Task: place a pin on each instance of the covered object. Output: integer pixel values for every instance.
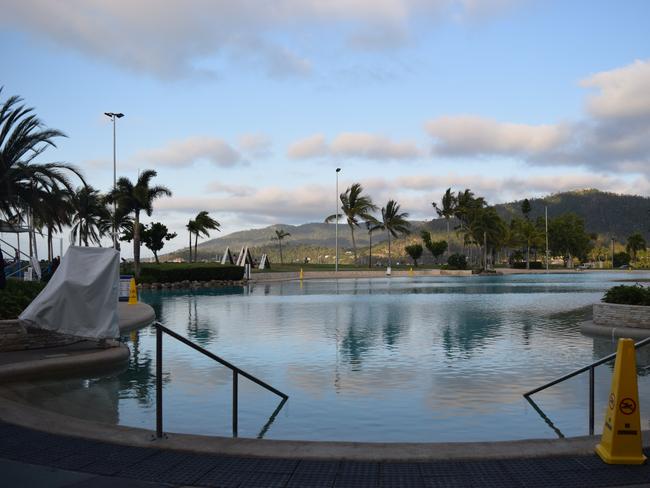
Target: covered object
(81, 297)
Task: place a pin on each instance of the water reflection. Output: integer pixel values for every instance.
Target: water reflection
(413, 359)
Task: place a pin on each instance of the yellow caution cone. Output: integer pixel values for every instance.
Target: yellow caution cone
(133, 292)
(621, 440)
(301, 274)
(410, 271)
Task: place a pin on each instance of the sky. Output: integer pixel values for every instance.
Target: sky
(245, 109)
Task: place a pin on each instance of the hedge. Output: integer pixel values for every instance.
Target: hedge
(533, 265)
(15, 297)
(628, 295)
(169, 274)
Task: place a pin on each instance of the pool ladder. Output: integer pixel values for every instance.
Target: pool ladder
(236, 372)
(591, 367)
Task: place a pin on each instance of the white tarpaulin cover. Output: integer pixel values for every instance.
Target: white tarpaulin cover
(81, 297)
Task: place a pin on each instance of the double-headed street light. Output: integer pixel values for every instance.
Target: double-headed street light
(113, 116)
(336, 266)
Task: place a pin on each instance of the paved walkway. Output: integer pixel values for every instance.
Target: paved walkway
(37, 459)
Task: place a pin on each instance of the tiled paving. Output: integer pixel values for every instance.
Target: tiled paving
(36, 459)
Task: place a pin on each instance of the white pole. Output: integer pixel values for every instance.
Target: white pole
(114, 187)
(336, 265)
(546, 214)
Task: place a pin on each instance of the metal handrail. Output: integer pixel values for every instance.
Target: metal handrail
(590, 367)
(160, 329)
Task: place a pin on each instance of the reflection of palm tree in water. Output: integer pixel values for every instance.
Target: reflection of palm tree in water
(467, 329)
(203, 334)
(139, 380)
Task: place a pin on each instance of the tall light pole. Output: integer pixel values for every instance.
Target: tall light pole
(546, 215)
(113, 116)
(336, 265)
(613, 241)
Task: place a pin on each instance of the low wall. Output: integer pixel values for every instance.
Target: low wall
(14, 337)
(615, 315)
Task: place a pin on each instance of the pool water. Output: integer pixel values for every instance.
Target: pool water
(391, 359)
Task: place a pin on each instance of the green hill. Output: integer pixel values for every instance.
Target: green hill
(605, 214)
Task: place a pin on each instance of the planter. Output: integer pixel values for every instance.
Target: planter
(615, 315)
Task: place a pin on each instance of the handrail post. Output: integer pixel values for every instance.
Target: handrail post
(159, 389)
(591, 400)
(235, 386)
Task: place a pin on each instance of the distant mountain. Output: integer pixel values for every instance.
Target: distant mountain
(604, 213)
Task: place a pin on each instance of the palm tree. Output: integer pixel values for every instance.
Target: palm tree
(192, 228)
(137, 198)
(394, 222)
(203, 224)
(527, 233)
(635, 243)
(22, 140)
(487, 230)
(53, 214)
(88, 213)
(355, 207)
(279, 235)
(372, 225)
(447, 209)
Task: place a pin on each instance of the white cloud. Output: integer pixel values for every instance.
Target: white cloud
(171, 39)
(255, 145)
(472, 135)
(613, 135)
(622, 92)
(309, 147)
(360, 145)
(186, 152)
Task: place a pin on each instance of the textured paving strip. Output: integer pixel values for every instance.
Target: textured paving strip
(36, 459)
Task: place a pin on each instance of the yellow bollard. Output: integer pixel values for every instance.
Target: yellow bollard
(621, 440)
(411, 271)
(301, 274)
(133, 292)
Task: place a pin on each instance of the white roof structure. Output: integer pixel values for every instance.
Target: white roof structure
(81, 297)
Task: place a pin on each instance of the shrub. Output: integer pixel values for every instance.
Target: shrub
(457, 261)
(16, 296)
(167, 273)
(628, 295)
(621, 258)
(533, 265)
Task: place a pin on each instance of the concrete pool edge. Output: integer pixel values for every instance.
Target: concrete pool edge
(28, 416)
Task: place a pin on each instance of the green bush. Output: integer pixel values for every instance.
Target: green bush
(16, 296)
(173, 273)
(457, 261)
(628, 295)
(621, 259)
(533, 265)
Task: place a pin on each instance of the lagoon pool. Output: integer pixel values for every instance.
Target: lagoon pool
(389, 359)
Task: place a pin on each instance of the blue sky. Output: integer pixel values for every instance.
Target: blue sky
(245, 110)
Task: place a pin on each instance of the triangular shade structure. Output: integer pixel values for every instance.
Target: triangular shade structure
(81, 297)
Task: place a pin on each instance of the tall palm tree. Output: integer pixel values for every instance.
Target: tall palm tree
(88, 213)
(394, 222)
(22, 140)
(356, 207)
(192, 228)
(279, 235)
(53, 213)
(447, 208)
(136, 198)
(487, 230)
(635, 243)
(203, 224)
(372, 225)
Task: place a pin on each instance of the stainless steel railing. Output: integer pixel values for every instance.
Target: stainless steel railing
(236, 372)
(591, 367)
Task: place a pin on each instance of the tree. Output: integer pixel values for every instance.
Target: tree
(447, 209)
(436, 248)
(567, 237)
(192, 228)
(154, 236)
(525, 208)
(136, 198)
(23, 183)
(356, 207)
(487, 230)
(635, 243)
(203, 224)
(372, 225)
(88, 213)
(415, 251)
(621, 259)
(457, 261)
(527, 233)
(279, 235)
(393, 222)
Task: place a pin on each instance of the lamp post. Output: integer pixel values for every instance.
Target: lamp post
(336, 263)
(113, 116)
